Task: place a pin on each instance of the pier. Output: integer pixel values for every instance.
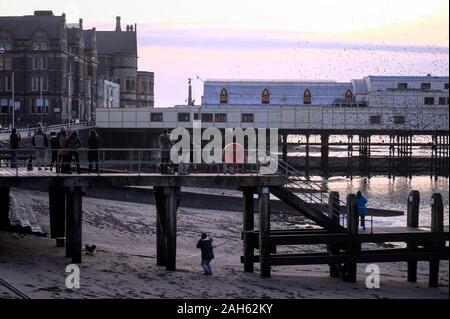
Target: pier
(337, 229)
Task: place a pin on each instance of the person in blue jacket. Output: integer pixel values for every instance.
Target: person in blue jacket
(362, 209)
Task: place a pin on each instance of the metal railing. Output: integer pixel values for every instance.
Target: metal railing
(28, 132)
(311, 192)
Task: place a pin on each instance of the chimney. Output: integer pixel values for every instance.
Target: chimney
(80, 22)
(135, 27)
(131, 28)
(128, 28)
(118, 27)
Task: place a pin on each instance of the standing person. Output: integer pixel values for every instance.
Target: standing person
(93, 145)
(165, 144)
(74, 143)
(206, 244)
(362, 209)
(63, 152)
(54, 145)
(14, 140)
(40, 143)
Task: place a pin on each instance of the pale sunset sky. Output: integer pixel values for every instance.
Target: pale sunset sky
(259, 39)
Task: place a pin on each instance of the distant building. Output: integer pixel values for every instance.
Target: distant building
(108, 94)
(390, 91)
(63, 63)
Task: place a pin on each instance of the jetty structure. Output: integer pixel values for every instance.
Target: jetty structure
(393, 125)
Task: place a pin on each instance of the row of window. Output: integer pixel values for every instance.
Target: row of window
(429, 100)
(423, 86)
(376, 119)
(38, 45)
(205, 117)
(265, 96)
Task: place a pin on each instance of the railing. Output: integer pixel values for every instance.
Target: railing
(28, 132)
(311, 192)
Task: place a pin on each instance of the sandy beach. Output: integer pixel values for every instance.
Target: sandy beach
(125, 264)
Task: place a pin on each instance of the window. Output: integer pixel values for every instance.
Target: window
(5, 64)
(5, 83)
(220, 117)
(7, 46)
(128, 85)
(223, 96)
(184, 117)
(425, 86)
(307, 97)
(362, 104)
(36, 82)
(144, 86)
(207, 117)
(39, 63)
(428, 100)
(399, 119)
(348, 94)
(156, 117)
(265, 99)
(402, 86)
(247, 118)
(375, 119)
(40, 45)
(442, 101)
(445, 86)
(40, 106)
(196, 116)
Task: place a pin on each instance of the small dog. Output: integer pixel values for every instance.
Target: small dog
(90, 250)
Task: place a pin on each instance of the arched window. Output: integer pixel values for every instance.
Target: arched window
(223, 96)
(307, 97)
(265, 97)
(349, 94)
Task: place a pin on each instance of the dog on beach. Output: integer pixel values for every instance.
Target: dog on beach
(90, 249)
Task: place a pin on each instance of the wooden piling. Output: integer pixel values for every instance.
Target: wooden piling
(248, 227)
(160, 204)
(4, 207)
(285, 147)
(437, 225)
(324, 150)
(307, 156)
(352, 228)
(413, 221)
(264, 232)
(57, 205)
(171, 227)
(69, 223)
(77, 217)
(334, 211)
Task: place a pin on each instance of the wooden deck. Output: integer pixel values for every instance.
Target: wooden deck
(13, 177)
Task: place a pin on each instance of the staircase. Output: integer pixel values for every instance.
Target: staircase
(309, 198)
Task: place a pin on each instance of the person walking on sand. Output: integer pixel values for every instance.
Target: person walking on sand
(165, 144)
(40, 143)
(207, 245)
(14, 140)
(362, 209)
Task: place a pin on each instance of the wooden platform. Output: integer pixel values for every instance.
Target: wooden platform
(11, 177)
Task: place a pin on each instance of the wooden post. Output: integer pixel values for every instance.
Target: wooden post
(324, 150)
(69, 222)
(160, 204)
(307, 156)
(248, 226)
(285, 147)
(437, 225)
(171, 228)
(77, 217)
(413, 221)
(4, 207)
(57, 205)
(264, 232)
(352, 228)
(334, 211)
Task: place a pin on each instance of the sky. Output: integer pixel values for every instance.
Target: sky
(262, 39)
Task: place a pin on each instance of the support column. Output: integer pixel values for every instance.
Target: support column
(324, 150)
(160, 204)
(352, 228)
(4, 207)
(307, 156)
(285, 147)
(264, 232)
(350, 157)
(413, 221)
(248, 227)
(437, 225)
(171, 228)
(74, 223)
(334, 214)
(57, 205)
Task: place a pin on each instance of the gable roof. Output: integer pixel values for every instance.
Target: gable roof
(24, 27)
